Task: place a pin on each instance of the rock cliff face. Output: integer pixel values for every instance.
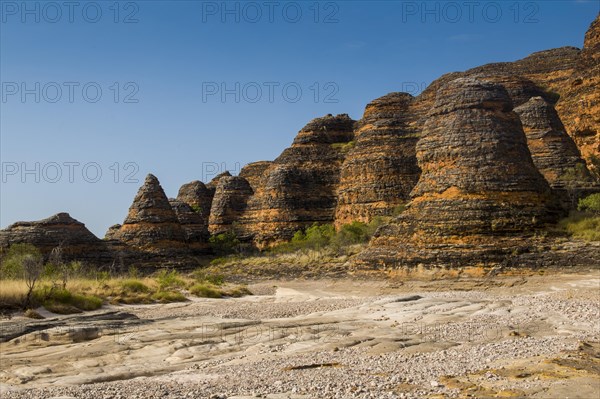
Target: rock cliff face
(229, 203)
(380, 168)
(255, 172)
(151, 224)
(478, 188)
(158, 231)
(579, 105)
(198, 197)
(566, 76)
(212, 185)
(77, 241)
(300, 187)
(553, 151)
(482, 155)
(194, 227)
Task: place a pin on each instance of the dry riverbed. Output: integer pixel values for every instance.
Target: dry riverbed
(517, 336)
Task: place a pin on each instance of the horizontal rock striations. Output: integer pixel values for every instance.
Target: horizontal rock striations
(198, 197)
(158, 231)
(554, 153)
(479, 188)
(579, 104)
(229, 202)
(194, 227)
(77, 242)
(299, 188)
(255, 172)
(567, 77)
(380, 168)
(151, 224)
(482, 156)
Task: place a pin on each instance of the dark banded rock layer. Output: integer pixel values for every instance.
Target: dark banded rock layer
(479, 188)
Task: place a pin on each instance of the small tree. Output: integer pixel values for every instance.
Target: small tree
(590, 203)
(352, 233)
(572, 178)
(225, 243)
(11, 266)
(32, 271)
(57, 266)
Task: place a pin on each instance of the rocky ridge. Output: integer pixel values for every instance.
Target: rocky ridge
(380, 168)
(484, 157)
(299, 188)
(77, 242)
(478, 189)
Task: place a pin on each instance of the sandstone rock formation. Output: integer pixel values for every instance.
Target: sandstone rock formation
(566, 76)
(151, 224)
(554, 153)
(194, 227)
(579, 105)
(479, 187)
(77, 242)
(212, 185)
(198, 197)
(229, 202)
(299, 188)
(380, 168)
(490, 148)
(255, 172)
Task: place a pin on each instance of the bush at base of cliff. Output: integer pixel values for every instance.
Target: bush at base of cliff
(591, 203)
(324, 236)
(224, 243)
(168, 279)
(583, 225)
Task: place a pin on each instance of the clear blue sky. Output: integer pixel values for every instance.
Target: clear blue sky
(163, 115)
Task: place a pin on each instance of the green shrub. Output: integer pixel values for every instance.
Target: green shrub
(344, 148)
(375, 223)
(321, 236)
(86, 302)
(169, 279)
(220, 261)
(102, 277)
(59, 273)
(169, 296)
(590, 203)
(60, 308)
(206, 291)
(62, 301)
(224, 243)
(59, 295)
(132, 285)
(585, 226)
(352, 233)
(11, 265)
(398, 209)
(315, 237)
(238, 292)
(205, 277)
(196, 208)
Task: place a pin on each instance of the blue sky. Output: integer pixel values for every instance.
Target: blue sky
(184, 89)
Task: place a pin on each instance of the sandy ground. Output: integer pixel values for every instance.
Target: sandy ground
(534, 336)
